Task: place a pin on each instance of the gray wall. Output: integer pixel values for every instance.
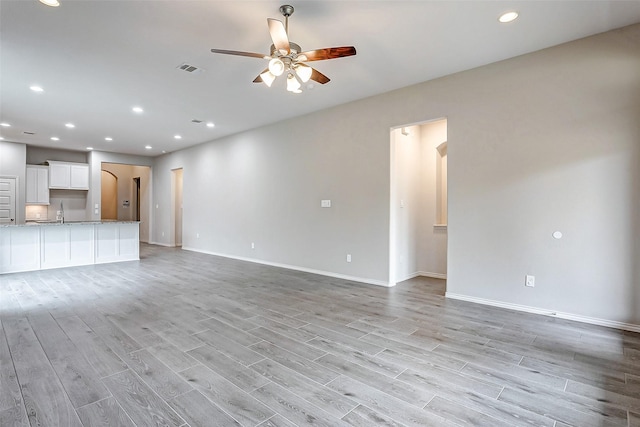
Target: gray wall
(74, 201)
(96, 159)
(39, 155)
(543, 142)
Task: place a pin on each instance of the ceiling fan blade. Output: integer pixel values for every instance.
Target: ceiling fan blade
(259, 78)
(279, 36)
(328, 53)
(235, 52)
(317, 76)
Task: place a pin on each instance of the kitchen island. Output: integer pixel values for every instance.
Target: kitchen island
(45, 245)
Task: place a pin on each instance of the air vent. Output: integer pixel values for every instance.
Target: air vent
(190, 68)
(29, 133)
(196, 121)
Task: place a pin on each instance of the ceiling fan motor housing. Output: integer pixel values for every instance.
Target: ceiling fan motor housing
(295, 49)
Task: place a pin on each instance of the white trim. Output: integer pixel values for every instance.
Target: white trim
(294, 267)
(432, 275)
(410, 276)
(568, 316)
(167, 245)
(423, 274)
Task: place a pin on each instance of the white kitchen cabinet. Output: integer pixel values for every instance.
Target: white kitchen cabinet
(68, 176)
(40, 246)
(37, 185)
(80, 177)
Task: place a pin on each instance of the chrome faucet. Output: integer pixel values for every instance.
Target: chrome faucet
(61, 218)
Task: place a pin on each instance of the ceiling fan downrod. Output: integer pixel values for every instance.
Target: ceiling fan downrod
(286, 10)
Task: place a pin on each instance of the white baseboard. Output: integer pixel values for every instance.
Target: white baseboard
(432, 275)
(167, 245)
(528, 309)
(294, 267)
(423, 274)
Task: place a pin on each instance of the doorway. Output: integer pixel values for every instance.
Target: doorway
(177, 183)
(7, 200)
(136, 197)
(418, 201)
(109, 195)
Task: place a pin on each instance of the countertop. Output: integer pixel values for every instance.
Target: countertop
(55, 223)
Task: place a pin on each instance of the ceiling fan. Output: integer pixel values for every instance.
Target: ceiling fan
(287, 57)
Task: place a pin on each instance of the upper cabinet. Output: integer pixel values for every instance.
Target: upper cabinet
(37, 185)
(68, 176)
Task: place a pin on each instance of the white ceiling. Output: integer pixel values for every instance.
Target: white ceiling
(97, 59)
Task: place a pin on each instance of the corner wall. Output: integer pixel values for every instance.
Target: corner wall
(542, 142)
(94, 196)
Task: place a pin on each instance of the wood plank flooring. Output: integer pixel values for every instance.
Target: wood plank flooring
(187, 339)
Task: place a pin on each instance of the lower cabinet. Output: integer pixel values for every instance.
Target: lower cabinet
(66, 246)
(41, 247)
(116, 243)
(19, 249)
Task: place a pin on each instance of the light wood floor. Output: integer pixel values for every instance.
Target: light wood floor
(182, 338)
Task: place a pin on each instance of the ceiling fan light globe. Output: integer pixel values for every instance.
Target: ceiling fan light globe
(292, 83)
(52, 3)
(276, 67)
(304, 72)
(268, 78)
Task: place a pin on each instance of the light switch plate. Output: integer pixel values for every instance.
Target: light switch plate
(325, 203)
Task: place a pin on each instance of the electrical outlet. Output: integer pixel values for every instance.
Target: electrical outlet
(348, 257)
(253, 245)
(530, 281)
(197, 235)
(163, 234)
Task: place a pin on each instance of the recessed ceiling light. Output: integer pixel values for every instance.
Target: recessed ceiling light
(148, 147)
(70, 125)
(137, 110)
(5, 125)
(177, 136)
(36, 88)
(52, 3)
(508, 17)
(164, 151)
(108, 138)
(210, 124)
(2, 139)
(89, 148)
(55, 138)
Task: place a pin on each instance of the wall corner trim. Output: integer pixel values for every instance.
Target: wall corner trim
(166, 245)
(545, 312)
(294, 267)
(432, 275)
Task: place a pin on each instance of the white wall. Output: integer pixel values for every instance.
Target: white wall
(432, 242)
(13, 164)
(542, 142)
(418, 247)
(406, 203)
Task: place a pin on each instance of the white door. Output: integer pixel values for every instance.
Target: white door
(7, 200)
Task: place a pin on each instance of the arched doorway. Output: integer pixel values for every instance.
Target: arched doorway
(109, 197)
